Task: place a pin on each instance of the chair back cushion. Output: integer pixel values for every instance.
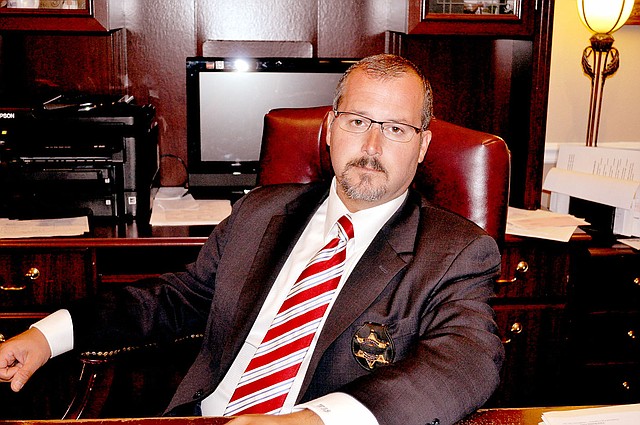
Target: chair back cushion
(465, 171)
(293, 146)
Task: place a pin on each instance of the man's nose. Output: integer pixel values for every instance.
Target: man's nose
(372, 143)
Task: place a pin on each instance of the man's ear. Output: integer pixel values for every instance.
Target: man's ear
(328, 122)
(425, 140)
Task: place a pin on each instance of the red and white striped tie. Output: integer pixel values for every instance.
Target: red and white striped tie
(265, 383)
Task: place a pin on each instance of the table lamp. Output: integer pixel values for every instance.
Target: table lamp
(602, 17)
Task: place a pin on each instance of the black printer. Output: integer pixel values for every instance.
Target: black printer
(77, 155)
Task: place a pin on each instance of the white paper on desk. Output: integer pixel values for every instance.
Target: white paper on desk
(632, 242)
(13, 229)
(542, 224)
(628, 414)
(185, 202)
(167, 193)
(207, 212)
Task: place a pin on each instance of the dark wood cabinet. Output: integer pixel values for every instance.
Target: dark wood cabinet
(568, 314)
(34, 281)
(531, 299)
(86, 16)
(605, 330)
(569, 317)
(39, 275)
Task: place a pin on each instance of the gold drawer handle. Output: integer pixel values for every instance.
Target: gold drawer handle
(637, 281)
(631, 334)
(2, 339)
(626, 385)
(521, 268)
(32, 274)
(516, 328)
(13, 288)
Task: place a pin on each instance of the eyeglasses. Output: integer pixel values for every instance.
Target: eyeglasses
(394, 131)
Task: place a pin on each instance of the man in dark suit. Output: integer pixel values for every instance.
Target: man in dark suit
(408, 336)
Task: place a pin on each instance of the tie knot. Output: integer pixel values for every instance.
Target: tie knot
(345, 227)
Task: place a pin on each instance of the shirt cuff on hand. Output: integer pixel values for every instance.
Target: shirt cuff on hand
(338, 409)
(57, 328)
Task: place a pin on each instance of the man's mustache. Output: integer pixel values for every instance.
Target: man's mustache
(367, 162)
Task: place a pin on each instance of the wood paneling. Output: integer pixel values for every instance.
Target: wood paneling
(493, 84)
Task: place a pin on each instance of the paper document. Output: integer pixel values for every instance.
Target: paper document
(632, 242)
(170, 193)
(542, 224)
(606, 190)
(184, 210)
(608, 176)
(604, 176)
(73, 226)
(628, 414)
(623, 164)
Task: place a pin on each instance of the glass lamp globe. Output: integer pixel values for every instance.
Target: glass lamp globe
(604, 16)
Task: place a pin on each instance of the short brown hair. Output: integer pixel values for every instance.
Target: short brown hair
(389, 66)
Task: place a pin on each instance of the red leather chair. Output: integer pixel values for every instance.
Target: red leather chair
(465, 171)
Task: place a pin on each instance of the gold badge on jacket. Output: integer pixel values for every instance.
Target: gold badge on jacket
(372, 346)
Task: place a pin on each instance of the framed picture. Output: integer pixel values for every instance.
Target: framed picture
(471, 17)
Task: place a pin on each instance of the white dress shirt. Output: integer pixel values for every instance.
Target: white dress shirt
(334, 408)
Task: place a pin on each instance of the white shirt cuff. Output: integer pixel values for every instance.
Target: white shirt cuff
(339, 409)
(57, 328)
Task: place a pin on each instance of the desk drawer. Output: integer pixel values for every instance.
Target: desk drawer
(534, 347)
(609, 337)
(609, 282)
(606, 384)
(128, 264)
(534, 269)
(43, 279)
(12, 324)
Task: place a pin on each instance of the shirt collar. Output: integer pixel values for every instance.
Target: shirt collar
(366, 222)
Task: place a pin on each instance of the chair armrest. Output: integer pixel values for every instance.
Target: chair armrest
(94, 394)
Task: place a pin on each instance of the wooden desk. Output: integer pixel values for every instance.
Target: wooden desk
(534, 307)
(532, 295)
(37, 275)
(509, 416)
(515, 416)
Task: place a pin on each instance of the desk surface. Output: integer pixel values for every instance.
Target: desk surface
(515, 416)
(120, 234)
(524, 416)
(108, 233)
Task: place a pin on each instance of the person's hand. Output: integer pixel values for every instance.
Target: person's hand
(303, 417)
(21, 356)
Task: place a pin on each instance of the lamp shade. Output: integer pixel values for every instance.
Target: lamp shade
(604, 16)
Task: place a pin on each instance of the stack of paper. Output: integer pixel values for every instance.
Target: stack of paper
(175, 207)
(628, 414)
(73, 226)
(542, 224)
(632, 242)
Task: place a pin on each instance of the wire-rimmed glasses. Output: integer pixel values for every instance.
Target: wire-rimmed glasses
(394, 131)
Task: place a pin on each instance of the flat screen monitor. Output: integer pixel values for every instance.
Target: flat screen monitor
(227, 99)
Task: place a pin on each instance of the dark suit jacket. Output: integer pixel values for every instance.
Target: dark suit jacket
(427, 276)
